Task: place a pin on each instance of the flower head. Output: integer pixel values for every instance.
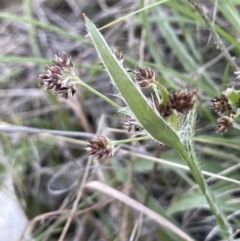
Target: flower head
(118, 55)
(60, 76)
(100, 146)
(131, 125)
(182, 101)
(221, 105)
(224, 123)
(164, 109)
(145, 77)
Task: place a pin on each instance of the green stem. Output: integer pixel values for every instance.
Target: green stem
(164, 92)
(189, 156)
(112, 103)
(224, 226)
(237, 114)
(156, 91)
(142, 138)
(32, 30)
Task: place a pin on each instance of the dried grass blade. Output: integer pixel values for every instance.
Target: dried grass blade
(138, 206)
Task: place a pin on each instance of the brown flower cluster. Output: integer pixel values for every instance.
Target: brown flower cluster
(182, 101)
(100, 146)
(164, 109)
(224, 123)
(144, 77)
(131, 125)
(59, 76)
(222, 106)
(118, 55)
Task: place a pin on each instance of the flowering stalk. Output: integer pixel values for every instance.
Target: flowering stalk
(142, 138)
(109, 101)
(147, 78)
(102, 147)
(60, 77)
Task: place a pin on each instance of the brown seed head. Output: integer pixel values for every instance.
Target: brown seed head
(164, 109)
(118, 56)
(101, 147)
(145, 77)
(224, 123)
(60, 76)
(221, 105)
(131, 125)
(182, 101)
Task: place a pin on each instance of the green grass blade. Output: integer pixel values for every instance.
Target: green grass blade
(23, 59)
(47, 26)
(32, 30)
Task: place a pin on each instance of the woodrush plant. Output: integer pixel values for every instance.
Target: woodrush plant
(167, 118)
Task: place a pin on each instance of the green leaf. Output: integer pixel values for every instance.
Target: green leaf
(142, 165)
(233, 96)
(151, 121)
(164, 93)
(187, 201)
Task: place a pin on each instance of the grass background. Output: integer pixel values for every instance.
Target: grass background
(47, 168)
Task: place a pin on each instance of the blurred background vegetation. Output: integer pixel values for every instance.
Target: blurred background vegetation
(46, 168)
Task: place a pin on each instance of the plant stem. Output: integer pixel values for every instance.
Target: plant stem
(156, 91)
(164, 93)
(142, 138)
(224, 226)
(190, 157)
(32, 29)
(112, 103)
(214, 34)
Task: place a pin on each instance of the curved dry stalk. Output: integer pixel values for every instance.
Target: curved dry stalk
(138, 206)
(131, 14)
(8, 128)
(214, 34)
